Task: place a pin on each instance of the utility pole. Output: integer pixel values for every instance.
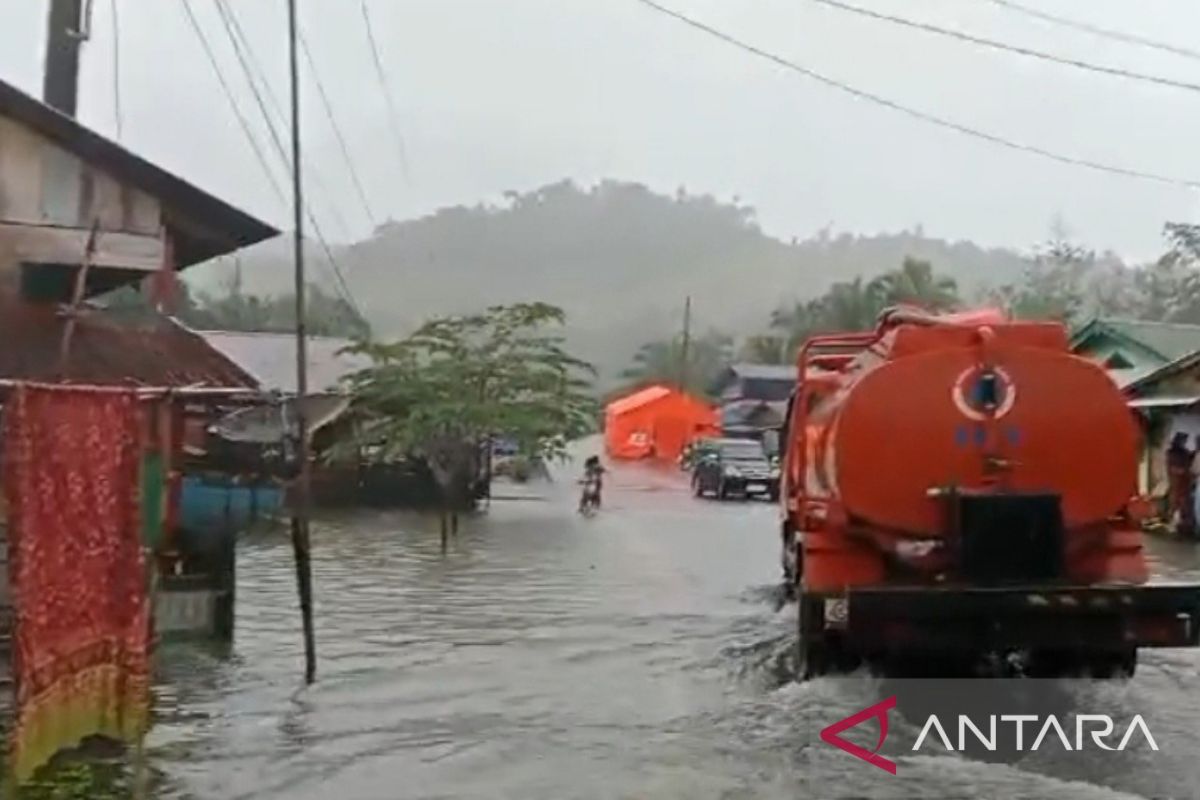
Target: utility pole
(686, 345)
(65, 33)
(301, 541)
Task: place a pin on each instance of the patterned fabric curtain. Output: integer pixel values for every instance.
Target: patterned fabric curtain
(81, 632)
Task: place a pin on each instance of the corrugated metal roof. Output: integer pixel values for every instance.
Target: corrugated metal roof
(108, 347)
(765, 372)
(1125, 378)
(267, 424)
(271, 359)
(1170, 340)
(203, 225)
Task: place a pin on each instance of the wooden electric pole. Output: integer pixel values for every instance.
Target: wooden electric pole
(686, 345)
(65, 33)
(302, 500)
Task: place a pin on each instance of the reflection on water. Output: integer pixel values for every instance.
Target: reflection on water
(639, 653)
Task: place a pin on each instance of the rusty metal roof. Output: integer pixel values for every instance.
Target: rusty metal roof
(203, 225)
(108, 347)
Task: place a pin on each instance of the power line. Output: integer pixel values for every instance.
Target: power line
(1011, 48)
(1096, 30)
(337, 131)
(116, 68)
(253, 69)
(381, 75)
(924, 116)
(237, 111)
(243, 59)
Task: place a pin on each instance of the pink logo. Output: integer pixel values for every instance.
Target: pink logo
(879, 711)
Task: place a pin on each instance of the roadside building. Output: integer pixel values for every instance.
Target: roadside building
(254, 439)
(1132, 349)
(754, 400)
(1167, 401)
(81, 215)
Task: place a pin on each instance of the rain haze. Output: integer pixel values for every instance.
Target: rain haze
(643, 393)
(509, 96)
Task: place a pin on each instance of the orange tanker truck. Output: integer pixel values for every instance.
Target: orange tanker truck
(962, 486)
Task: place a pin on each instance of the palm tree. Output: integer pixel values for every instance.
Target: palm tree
(765, 349)
(853, 305)
(917, 284)
(663, 362)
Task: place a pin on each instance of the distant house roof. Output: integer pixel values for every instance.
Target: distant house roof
(108, 347)
(203, 226)
(271, 359)
(760, 381)
(270, 423)
(765, 372)
(1168, 340)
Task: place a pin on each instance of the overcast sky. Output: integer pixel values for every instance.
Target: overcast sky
(509, 95)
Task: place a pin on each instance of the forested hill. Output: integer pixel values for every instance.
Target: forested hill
(620, 259)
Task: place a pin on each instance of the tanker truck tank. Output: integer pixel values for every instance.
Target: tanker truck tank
(965, 484)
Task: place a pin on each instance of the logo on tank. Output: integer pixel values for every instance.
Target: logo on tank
(981, 393)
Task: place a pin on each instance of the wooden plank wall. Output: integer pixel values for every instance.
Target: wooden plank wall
(49, 200)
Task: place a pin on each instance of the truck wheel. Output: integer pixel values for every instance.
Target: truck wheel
(813, 658)
(1121, 664)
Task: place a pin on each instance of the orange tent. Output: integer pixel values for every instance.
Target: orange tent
(656, 422)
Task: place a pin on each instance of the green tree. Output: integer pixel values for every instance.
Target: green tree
(765, 349)
(236, 310)
(1055, 283)
(852, 306)
(664, 362)
(916, 283)
(441, 392)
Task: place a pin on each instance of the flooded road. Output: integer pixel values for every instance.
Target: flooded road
(637, 654)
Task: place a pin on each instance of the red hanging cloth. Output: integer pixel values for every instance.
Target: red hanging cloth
(81, 633)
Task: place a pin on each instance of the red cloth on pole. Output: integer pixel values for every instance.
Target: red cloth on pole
(81, 634)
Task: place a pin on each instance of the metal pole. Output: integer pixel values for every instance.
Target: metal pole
(687, 341)
(301, 544)
(65, 32)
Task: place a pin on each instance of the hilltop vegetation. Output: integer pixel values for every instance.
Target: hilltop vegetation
(619, 259)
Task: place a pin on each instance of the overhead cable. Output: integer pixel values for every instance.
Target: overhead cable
(1088, 66)
(1096, 30)
(385, 88)
(915, 113)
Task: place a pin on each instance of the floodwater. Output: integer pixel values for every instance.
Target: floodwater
(637, 654)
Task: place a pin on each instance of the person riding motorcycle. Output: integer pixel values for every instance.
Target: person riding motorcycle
(593, 483)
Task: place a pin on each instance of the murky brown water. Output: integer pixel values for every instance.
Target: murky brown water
(637, 654)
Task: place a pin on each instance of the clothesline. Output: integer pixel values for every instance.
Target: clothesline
(146, 392)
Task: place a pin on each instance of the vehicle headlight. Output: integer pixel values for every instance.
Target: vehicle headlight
(733, 472)
(774, 472)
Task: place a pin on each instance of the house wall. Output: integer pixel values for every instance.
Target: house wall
(1164, 424)
(50, 199)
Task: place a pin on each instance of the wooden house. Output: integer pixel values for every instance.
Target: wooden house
(81, 215)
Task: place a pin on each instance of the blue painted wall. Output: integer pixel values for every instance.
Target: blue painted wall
(210, 504)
